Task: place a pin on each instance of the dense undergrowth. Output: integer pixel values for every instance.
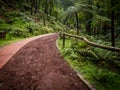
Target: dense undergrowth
(16, 25)
(100, 67)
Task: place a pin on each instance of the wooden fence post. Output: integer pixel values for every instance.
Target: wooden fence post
(63, 40)
(60, 35)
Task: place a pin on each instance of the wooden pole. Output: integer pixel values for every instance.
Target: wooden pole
(60, 35)
(63, 40)
(112, 24)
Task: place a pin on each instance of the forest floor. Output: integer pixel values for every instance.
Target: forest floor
(38, 65)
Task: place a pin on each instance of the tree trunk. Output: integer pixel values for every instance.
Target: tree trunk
(112, 24)
(88, 27)
(94, 31)
(27, 1)
(46, 8)
(77, 22)
(36, 6)
(31, 7)
(50, 11)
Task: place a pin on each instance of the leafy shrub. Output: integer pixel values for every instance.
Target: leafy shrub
(2, 21)
(5, 28)
(32, 27)
(73, 51)
(72, 31)
(80, 58)
(57, 27)
(46, 29)
(18, 32)
(8, 36)
(16, 19)
(107, 79)
(73, 55)
(25, 18)
(79, 50)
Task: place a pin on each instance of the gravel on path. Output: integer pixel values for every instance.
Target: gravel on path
(39, 66)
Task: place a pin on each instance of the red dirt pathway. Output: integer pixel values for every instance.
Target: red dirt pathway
(39, 66)
(8, 51)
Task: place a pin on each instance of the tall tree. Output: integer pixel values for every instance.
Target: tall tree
(72, 14)
(112, 23)
(48, 6)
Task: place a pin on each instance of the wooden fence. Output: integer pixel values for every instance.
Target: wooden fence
(110, 48)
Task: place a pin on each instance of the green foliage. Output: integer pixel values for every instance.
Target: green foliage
(57, 27)
(46, 29)
(8, 41)
(66, 3)
(18, 24)
(9, 36)
(2, 21)
(107, 79)
(80, 59)
(32, 27)
(18, 32)
(5, 27)
(72, 31)
(73, 54)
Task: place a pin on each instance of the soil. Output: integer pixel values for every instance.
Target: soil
(39, 66)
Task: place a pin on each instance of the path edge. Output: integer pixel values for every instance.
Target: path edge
(4, 60)
(90, 86)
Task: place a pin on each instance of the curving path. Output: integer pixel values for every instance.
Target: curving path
(38, 66)
(8, 51)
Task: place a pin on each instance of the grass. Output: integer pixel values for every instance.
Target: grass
(100, 78)
(4, 42)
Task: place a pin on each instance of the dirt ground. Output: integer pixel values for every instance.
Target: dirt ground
(39, 66)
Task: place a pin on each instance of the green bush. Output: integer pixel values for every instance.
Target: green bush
(79, 50)
(46, 29)
(32, 27)
(80, 58)
(107, 79)
(19, 32)
(5, 27)
(8, 36)
(57, 27)
(71, 31)
(2, 21)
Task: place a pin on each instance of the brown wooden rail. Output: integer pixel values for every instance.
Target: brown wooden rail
(110, 48)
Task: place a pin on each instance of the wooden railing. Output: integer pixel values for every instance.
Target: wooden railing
(110, 48)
